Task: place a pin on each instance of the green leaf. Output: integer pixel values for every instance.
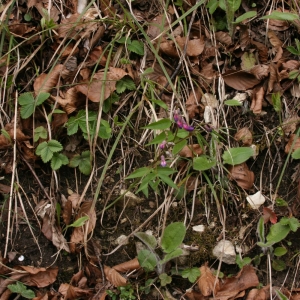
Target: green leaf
(281, 296)
(21, 289)
(165, 279)
(241, 262)
(55, 146)
(58, 160)
(280, 202)
(173, 236)
(25, 99)
(178, 146)
(232, 5)
(147, 260)
(280, 251)
(168, 181)
(276, 101)
(141, 172)
(148, 71)
(40, 133)
(245, 16)
(277, 233)
(169, 256)
(136, 47)
(233, 102)
(235, 156)
(27, 103)
(27, 17)
(278, 15)
(248, 61)
(191, 274)
(158, 139)
(261, 230)
(82, 161)
(6, 134)
(105, 130)
(126, 83)
(212, 5)
(292, 222)
(296, 154)
(278, 265)
(147, 239)
(79, 222)
(294, 51)
(81, 120)
(165, 171)
(41, 97)
(161, 124)
(160, 103)
(44, 151)
(203, 162)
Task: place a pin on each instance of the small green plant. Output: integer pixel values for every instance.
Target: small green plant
(134, 46)
(21, 289)
(171, 240)
(125, 293)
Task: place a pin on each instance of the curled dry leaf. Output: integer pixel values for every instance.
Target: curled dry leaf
(79, 233)
(269, 215)
(257, 100)
(72, 292)
(45, 82)
(67, 212)
(114, 277)
(260, 71)
(223, 38)
(293, 140)
(207, 282)
(240, 80)
(233, 286)
(71, 100)
(191, 150)
(259, 294)
(289, 125)
(262, 51)
(209, 100)
(274, 76)
(193, 295)
(245, 136)
(74, 198)
(127, 266)
(242, 175)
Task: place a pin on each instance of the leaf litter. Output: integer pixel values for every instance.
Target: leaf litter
(79, 73)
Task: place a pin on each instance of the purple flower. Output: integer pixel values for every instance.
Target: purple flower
(163, 144)
(163, 162)
(176, 116)
(187, 127)
(180, 123)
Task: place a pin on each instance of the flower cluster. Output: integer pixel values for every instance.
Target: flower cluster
(181, 122)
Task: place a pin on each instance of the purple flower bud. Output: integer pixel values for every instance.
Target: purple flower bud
(163, 144)
(187, 127)
(180, 123)
(163, 162)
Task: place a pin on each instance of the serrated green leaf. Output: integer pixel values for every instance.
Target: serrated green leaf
(159, 125)
(40, 132)
(58, 160)
(203, 162)
(245, 16)
(178, 147)
(147, 260)
(292, 222)
(278, 15)
(85, 164)
(191, 274)
(126, 83)
(136, 47)
(104, 130)
(165, 279)
(25, 99)
(21, 289)
(232, 5)
(173, 236)
(141, 172)
(280, 202)
(147, 239)
(235, 156)
(41, 97)
(27, 110)
(55, 146)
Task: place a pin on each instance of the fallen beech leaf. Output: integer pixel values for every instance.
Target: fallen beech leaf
(274, 40)
(168, 47)
(207, 282)
(157, 26)
(114, 277)
(242, 175)
(93, 89)
(79, 232)
(209, 100)
(194, 47)
(290, 124)
(269, 215)
(293, 140)
(232, 287)
(40, 277)
(191, 150)
(274, 76)
(240, 80)
(257, 100)
(291, 65)
(223, 37)
(256, 200)
(259, 294)
(245, 136)
(67, 212)
(73, 292)
(45, 82)
(260, 71)
(128, 266)
(74, 198)
(192, 104)
(193, 295)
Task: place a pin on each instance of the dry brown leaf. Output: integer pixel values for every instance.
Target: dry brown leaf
(207, 282)
(114, 277)
(67, 212)
(191, 150)
(71, 292)
(192, 183)
(194, 47)
(223, 37)
(95, 55)
(293, 140)
(192, 104)
(74, 198)
(290, 124)
(274, 40)
(193, 295)
(232, 287)
(245, 136)
(262, 51)
(168, 47)
(157, 26)
(260, 71)
(240, 80)
(244, 36)
(291, 65)
(40, 277)
(71, 100)
(257, 100)
(128, 266)
(278, 25)
(45, 82)
(274, 77)
(93, 89)
(78, 233)
(242, 175)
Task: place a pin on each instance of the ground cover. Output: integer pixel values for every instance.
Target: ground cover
(149, 149)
